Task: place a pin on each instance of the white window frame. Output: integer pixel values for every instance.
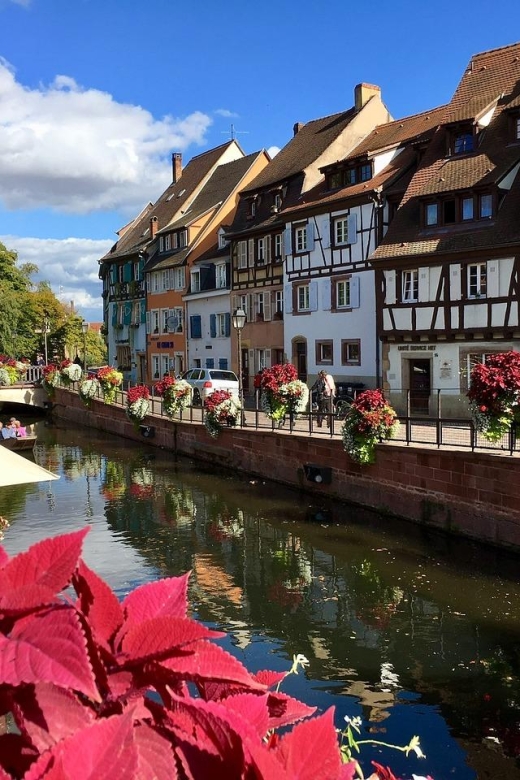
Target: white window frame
(220, 276)
(179, 279)
(167, 242)
(341, 231)
(242, 254)
(195, 281)
(183, 238)
(155, 321)
(343, 290)
(156, 282)
(477, 280)
(164, 320)
(300, 239)
(165, 280)
(278, 246)
(303, 297)
(260, 251)
(178, 312)
(220, 325)
(165, 365)
(156, 366)
(279, 302)
(410, 286)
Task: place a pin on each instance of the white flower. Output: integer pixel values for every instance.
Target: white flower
(301, 660)
(415, 747)
(355, 722)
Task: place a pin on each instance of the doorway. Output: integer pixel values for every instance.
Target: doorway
(420, 385)
(300, 350)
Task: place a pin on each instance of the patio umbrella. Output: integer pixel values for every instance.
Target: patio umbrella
(17, 470)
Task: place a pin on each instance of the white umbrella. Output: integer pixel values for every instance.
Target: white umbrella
(17, 470)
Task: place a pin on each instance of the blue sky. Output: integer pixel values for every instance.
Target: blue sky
(95, 95)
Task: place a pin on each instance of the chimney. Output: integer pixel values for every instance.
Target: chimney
(176, 167)
(154, 226)
(363, 92)
(297, 127)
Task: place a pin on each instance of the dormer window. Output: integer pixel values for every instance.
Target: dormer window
(462, 140)
(466, 207)
(431, 214)
(346, 177)
(278, 201)
(517, 127)
(365, 172)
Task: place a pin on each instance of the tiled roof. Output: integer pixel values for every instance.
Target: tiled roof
(169, 204)
(303, 149)
(492, 78)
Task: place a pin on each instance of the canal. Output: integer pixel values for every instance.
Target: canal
(411, 631)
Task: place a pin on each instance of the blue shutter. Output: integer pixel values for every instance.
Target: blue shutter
(143, 311)
(313, 296)
(113, 274)
(326, 287)
(114, 314)
(287, 241)
(227, 324)
(210, 363)
(127, 314)
(141, 269)
(354, 292)
(223, 364)
(325, 234)
(212, 325)
(310, 236)
(287, 298)
(352, 228)
(195, 326)
(127, 272)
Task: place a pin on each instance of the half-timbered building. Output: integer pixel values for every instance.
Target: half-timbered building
(257, 233)
(329, 288)
(447, 271)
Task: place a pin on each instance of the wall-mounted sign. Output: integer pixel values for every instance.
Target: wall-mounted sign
(417, 347)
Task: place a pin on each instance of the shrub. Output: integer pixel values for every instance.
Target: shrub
(494, 394)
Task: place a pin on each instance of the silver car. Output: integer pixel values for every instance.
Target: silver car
(206, 380)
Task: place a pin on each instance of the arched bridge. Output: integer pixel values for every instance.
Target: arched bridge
(27, 392)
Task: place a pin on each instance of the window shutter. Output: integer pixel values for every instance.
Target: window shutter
(127, 313)
(195, 326)
(210, 362)
(455, 282)
(352, 228)
(287, 298)
(267, 306)
(325, 234)
(287, 241)
(310, 236)
(212, 325)
(267, 248)
(326, 288)
(142, 311)
(148, 322)
(390, 287)
(127, 272)
(251, 252)
(227, 324)
(141, 269)
(492, 279)
(252, 366)
(268, 358)
(250, 309)
(114, 314)
(354, 292)
(313, 296)
(113, 274)
(424, 284)
(236, 302)
(223, 364)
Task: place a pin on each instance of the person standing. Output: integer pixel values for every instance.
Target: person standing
(325, 389)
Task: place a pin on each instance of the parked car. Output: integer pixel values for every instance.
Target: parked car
(205, 380)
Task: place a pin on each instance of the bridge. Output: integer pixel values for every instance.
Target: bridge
(27, 392)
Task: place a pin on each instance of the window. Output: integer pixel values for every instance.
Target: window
(278, 201)
(485, 206)
(252, 210)
(155, 366)
(223, 364)
(477, 280)
(432, 211)
(220, 276)
(300, 238)
(467, 209)
(165, 368)
(517, 128)
(195, 326)
(260, 251)
(365, 172)
(341, 230)
(155, 320)
(324, 352)
(335, 180)
(155, 282)
(183, 238)
(278, 246)
(448, 212)
(195, 281)
(350, 352)
(410, 286)
(221, 240)
(349, 176)
(161, 243)
(167, 242)
(463, 142)
(242, 254)
(221, 325)
(278, 304)
(343, 294)
(178, 278)
(303, 299)
(164, 320)
(165, 280)
(175, 241)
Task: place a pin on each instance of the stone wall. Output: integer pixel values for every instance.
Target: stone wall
(460, 492)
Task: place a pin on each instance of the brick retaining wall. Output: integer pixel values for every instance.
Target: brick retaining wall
(460, 492)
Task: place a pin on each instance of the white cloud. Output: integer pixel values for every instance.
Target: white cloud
(78, 150)
(69, 265)
(225, 113)
(273, 151)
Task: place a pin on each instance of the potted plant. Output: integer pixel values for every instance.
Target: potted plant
(221, 409)
(176, 395)
(109, 379)
(282, 392)
(137, 403)
(88, 389)
(70, 372)
(51, 378)
(494, 394)
(369, 420)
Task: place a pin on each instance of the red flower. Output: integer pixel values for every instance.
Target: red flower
(135, 393)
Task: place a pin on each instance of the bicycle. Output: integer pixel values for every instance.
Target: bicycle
(342, 406)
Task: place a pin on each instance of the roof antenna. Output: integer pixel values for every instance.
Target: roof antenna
(233, 133)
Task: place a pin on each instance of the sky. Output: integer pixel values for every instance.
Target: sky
(95, 95)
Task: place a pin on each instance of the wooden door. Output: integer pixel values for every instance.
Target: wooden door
(420, 386)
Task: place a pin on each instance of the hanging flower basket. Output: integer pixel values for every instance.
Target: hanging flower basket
(137, 403)
(70, 372)
(282, 392)
(176, 395)
(221, 410)
(110, 380)
(370, 419)
(51, 378)
(494, 395)
(88, 390)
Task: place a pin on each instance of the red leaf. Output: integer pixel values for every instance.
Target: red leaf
(210, 662)
(269, 678)
(310, 751)
(98, 603)
(48, 647)
(3, 557)
(48, 714)
(252, 708)
(284, 710)
(40, 573)
(161, 635)
(266, 764)
(155, 599)
(154, 755)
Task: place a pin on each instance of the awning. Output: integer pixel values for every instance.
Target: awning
(17, 470)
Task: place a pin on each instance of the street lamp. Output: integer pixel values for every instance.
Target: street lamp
(84, 328)
(239, 320)
(46, 328)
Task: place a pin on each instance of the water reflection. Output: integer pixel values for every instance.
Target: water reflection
(413, 632)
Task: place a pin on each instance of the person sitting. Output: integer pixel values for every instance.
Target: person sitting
(21, 430)
(8, 432)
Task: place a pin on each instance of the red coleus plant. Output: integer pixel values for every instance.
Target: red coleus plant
(103, 689)
(494, 394)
